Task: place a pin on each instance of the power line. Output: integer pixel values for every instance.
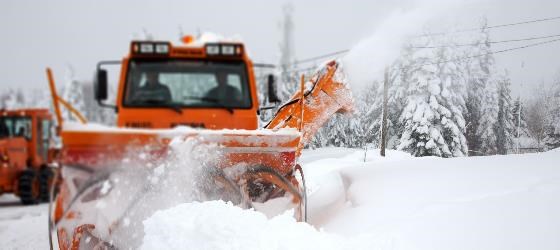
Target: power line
(491, 27)
(301, 69)
(525, 22)
(321, 56)
(311, 59)
(463, 58)
(264, 65)
(445, 33)
(490, 42)
(494, 52)
(331, 54)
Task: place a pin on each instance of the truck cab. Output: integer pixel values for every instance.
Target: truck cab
(25, 136)
(34, 127)
(162, 86)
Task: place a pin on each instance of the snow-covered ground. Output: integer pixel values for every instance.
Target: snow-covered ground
(22, 227)
(499, 202)
(397, 202)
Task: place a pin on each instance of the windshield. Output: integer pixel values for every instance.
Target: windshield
(15, 127)
(182, 83)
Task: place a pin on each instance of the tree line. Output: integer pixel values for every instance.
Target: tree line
(446, 101)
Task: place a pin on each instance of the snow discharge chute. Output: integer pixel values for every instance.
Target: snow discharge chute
(116, 177)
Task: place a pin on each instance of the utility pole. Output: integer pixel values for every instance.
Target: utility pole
(518, 121)
(384, 123)
(287, 51)
(519, 110)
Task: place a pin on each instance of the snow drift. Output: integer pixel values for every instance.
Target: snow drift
(398, 202)
(219, 225)
(495, 202)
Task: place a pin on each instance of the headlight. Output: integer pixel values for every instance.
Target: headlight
(162, 48)
(146, 48)
(150, 48)
(212, 50)
(217, 49)
(228, 50)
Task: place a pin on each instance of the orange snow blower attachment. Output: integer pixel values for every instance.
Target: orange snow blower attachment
(116, 177)
(317, 100)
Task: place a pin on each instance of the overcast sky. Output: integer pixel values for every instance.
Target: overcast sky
(57, 33)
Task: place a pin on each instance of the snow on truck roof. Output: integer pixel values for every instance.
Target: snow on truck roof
(210, 37)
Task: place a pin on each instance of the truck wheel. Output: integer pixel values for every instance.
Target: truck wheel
(45, 180)
(29, 187)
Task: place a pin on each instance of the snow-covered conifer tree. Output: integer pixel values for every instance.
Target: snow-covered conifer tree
(420, 137)
(489, 117)
(478, 69)
(552, 139)
(519, 118)
(433, 117)
(505, 129)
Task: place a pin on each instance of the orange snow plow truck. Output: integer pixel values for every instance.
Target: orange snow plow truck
(187, 130)
(25, 155)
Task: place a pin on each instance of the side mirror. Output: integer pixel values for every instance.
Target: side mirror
(272, 91)
(100, 87)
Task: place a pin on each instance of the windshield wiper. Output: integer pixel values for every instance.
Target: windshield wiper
(162, 103)
(212, 100)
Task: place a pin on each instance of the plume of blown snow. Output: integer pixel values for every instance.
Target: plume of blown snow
(367, 60)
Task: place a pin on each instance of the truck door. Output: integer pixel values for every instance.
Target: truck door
(43, 136)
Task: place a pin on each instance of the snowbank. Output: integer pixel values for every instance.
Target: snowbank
(396, 202)
(219, 225)
(495, 202)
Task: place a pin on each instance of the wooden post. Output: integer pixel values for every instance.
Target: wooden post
(384, 123)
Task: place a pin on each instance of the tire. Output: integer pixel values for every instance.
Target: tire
(29, 187)
(46, 175)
